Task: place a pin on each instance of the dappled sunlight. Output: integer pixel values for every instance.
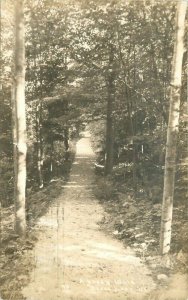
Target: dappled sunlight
(104, 251)
(76, 186)
(46, 222)
(84, 148)
(84, 157)
(116, 257)
(75, 175)
(85, 134)
(108, 251)
(110, 247)
(72, 251)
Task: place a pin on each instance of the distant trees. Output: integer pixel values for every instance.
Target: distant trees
(48, 76)
(131, 84)
(173, 127)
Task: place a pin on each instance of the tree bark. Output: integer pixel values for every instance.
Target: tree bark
(39, 109)
(20, 120)
(40, 154)
(51, 160)
(66, 132)
(109, 119)
(172, 131)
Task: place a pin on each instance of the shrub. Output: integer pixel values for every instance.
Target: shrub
(104, 189)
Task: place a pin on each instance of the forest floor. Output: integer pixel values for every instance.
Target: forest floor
(74, 249)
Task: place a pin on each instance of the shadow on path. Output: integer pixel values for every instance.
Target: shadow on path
(74, 259)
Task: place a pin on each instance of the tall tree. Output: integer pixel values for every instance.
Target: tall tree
(19, 132)
(109, 115)
(172, 131)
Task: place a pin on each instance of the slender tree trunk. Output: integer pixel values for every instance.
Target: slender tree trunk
(51, 159)
(129, 101)
(40, 154)
(20, 120)
(14, 136)
(66, 132)
(134, 128)
(109, 136)
(109, 120)
(39, 108)
(66, 139)
(172, 131)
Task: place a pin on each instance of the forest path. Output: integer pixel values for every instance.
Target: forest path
(74, 258)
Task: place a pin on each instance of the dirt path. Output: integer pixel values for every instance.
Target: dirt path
(74, 259)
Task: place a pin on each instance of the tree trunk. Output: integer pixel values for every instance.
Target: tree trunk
(14, 135)
(19, 132)
(172, 131)
(39, 108)
(109, 120)
(40, 154)
(51, 160)
(66, 132)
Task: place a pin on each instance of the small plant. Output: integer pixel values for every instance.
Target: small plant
(104, 189)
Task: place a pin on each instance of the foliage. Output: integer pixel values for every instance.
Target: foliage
(67, 72)
(104, 189)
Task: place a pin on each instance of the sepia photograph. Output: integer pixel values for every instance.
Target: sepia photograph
(93, 149)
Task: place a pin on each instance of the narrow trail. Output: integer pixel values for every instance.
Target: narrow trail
(74, 258)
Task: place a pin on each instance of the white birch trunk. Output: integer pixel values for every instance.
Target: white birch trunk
(20, 120)
(172, 131)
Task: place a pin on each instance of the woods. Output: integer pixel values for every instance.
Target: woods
(117, 69)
